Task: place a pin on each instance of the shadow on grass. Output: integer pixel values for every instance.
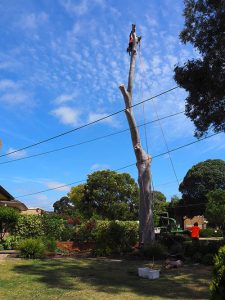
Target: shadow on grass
(115, 277)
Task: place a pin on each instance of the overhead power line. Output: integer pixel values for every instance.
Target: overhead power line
(121, 168)
(87, 141)
(85, 125)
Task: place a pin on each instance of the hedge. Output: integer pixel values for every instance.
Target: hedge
(217, 286)
(29, 226)
(114, 237)
(211, 232)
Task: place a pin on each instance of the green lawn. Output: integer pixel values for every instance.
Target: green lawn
(97, 279)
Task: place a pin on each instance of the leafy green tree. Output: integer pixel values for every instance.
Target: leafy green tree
(110, 195)
(215, 208)
(159, 205)
(176, 209)
(204, 78)
(76, 195)
(64, 206)
(202, 178)
(159, 197)
(8, 220)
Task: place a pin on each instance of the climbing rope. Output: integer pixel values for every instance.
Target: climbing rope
(140, 96)
(161, 128)
(143, 106)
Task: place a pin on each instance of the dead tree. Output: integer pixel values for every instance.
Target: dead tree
(146, 225)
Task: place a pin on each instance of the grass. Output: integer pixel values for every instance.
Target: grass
(98, 279)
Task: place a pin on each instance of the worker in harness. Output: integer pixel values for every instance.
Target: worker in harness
(133, 36)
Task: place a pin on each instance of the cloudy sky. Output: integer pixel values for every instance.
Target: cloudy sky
(61, 62)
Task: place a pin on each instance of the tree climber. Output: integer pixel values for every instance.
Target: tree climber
(133, 37)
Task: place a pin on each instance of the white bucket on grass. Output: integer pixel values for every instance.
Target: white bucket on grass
(148, 273)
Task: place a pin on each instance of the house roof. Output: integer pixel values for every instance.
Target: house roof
(5, 193)
(15, 204)
(10, 201)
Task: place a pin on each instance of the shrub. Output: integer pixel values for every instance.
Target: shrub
(11, 242)
(176, 244)
(203, 247)
(217, 286)
(29, 226)
(8, 220)
(32, 248)
(213, 246)
(53, 226)
(154, 251)
(211, 232)
(50, 244)
(113, 237)
(84, 232)
(207, 259)
(36, 226)
(67, 234)
(62, 252)
(190, 248)
(197, 256)
(1, 247)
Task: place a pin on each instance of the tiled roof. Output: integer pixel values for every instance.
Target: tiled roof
(5, 193)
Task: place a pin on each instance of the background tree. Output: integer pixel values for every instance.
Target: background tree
(8, 220)
(202, 178)
(176, 209)
(204, 78)
(76, 196)
(64, 206)
(159, 205)
(109, 195)
(215, 208)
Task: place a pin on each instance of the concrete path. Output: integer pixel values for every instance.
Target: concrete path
(3, 256)
(8, 253)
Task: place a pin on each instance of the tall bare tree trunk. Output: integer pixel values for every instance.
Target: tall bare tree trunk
(146, 225)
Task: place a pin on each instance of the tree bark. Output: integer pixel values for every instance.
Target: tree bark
(146, 225)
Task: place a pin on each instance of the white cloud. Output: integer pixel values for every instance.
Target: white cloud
(215, 143)
(5, 65)
(65, 98)
(15, 98)
(82, 7)
(151, 21)
(97, 166)
(7, 84)
(13, 94)
(67, 115)
(110, 121)
(19, 154)
(40, 201)
(33, 21)
(59, 185)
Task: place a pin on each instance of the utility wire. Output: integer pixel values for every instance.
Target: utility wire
(161, 128)
(87, 124)
(166, 144)
(87, 141)
(124, 167)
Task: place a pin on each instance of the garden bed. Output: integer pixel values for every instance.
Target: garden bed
(75, 246)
